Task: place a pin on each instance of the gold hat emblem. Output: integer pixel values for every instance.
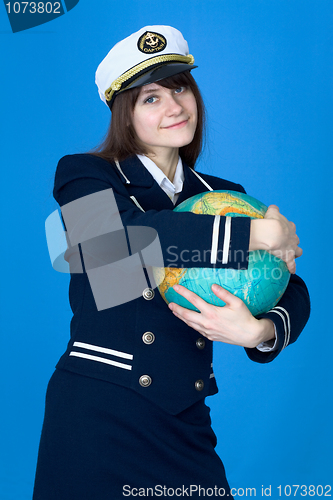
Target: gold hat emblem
(150, 42)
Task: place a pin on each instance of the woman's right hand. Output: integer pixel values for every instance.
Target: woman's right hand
(277, 235)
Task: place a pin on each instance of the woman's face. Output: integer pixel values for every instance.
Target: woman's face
(165, 118)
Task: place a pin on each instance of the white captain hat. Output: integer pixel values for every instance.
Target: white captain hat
(149, 55)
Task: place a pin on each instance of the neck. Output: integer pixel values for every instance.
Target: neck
(166, 160)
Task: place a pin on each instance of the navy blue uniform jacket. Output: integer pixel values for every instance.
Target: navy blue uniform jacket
(110, 344)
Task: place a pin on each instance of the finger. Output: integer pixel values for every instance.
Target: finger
(298, 252)
(192, 297)
(183, 312)
(223, 294)
(273, 207)
(291, 266)
(192, 324)
(191, 318)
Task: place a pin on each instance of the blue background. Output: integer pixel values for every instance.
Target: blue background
(265, 70)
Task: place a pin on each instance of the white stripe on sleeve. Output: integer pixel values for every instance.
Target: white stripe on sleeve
(227, 237)
(283, 310)
(215, 239)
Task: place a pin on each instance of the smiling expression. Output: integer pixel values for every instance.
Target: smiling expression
(165, 118)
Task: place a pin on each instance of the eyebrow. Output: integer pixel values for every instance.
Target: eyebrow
(147, 91)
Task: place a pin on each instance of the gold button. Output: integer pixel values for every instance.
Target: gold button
(199, 385)
(145, 380)
(148, 293)
(148, 338)
(200, 343)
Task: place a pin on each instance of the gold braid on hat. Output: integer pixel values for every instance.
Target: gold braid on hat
(117, 84)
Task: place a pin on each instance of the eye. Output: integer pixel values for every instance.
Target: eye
(180, 90)
(151, 99)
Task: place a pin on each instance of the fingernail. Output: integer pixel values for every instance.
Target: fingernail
(175, 287)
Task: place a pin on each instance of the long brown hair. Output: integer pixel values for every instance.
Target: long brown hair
(121, 140)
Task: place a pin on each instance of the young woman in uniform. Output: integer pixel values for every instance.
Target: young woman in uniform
(125, 408)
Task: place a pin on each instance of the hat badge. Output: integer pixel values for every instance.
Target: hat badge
(151, 42)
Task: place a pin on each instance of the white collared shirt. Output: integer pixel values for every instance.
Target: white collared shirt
(172, 189)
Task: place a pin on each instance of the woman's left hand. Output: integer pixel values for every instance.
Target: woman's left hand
(232, 324)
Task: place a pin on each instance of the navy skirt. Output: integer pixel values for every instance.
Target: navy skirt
(101, 441)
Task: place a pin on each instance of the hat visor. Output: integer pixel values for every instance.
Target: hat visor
(159, 73)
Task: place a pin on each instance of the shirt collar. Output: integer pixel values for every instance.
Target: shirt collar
(171, 188)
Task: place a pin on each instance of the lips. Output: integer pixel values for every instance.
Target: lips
(177, 125)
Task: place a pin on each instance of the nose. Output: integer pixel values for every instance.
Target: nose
(173, 108)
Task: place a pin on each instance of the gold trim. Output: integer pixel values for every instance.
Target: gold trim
(117, 84)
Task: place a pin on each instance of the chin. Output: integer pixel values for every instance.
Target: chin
(183, 141)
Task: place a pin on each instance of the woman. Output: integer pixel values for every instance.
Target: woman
(125, 408)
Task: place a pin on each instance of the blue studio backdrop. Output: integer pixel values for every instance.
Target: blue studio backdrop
(265, 71)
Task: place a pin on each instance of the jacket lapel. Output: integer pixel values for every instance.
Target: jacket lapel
(143, 186)
(148, 193)
(192, 185)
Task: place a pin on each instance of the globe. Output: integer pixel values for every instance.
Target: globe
(260, 286)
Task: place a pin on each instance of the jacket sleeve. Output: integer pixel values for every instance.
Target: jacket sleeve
(78, 176)
(290, 316)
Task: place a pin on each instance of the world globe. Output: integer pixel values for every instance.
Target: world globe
(260, 286)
